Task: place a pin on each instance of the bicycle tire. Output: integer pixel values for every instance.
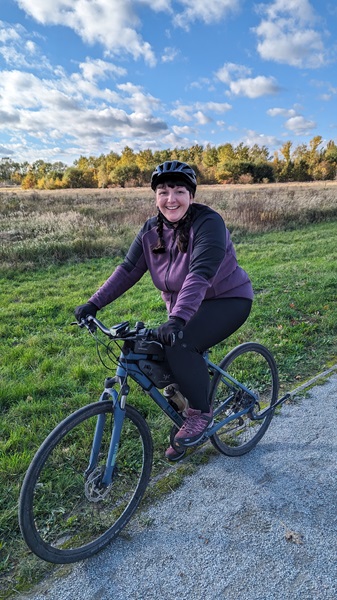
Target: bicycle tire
(253, 365)
(58, 521)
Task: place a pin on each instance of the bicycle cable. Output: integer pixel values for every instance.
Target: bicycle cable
(112, 356)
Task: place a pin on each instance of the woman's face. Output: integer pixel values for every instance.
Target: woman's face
(173, 201)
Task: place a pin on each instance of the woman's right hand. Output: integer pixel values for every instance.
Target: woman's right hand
(84, 310)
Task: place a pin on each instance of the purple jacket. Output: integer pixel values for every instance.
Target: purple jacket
(208, 270)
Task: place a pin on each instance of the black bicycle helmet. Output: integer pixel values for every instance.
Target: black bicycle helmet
(174, 171)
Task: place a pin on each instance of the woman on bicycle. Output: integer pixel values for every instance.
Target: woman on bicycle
(191, 259)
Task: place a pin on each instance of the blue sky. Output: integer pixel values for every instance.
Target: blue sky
(86, 77)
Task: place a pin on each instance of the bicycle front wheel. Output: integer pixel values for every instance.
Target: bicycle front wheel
(65, 514)
(253, 366)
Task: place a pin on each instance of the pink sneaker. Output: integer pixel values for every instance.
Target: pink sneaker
(173, 455)
(194, 427)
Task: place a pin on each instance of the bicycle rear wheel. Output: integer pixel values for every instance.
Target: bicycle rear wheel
(252, 365)
(64, 515)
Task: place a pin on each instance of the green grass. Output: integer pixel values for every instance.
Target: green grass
(49, 368)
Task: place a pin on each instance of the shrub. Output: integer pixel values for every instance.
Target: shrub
(246, 178)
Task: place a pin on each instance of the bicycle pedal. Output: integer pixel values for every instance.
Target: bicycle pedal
(193, 444)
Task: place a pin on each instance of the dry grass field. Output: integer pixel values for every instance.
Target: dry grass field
(43, 227)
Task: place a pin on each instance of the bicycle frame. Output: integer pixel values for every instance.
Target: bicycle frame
(128, 366)
(120, 444)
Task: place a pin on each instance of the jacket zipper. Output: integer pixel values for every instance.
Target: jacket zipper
(170, 261)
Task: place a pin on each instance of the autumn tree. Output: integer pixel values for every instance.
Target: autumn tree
(212, 164)
(259, 153)
(128, 157)
(331, 152)
(79, 178)
(124, 175)
(160, 156)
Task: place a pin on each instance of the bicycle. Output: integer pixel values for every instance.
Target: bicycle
(71, 504)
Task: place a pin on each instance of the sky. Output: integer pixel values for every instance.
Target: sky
(89, 77)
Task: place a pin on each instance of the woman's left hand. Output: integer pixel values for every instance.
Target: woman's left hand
(171, 330)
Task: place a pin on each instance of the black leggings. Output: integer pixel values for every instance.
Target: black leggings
(215, 321)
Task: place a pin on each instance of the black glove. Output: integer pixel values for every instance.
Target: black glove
(84, 310)
(168, 332)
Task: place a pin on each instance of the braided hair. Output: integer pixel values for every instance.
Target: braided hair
(183, 230)
(160, 247)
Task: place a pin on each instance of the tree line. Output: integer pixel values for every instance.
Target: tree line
(222, 164)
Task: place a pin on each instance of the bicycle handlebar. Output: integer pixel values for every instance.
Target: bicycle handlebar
(122, 331)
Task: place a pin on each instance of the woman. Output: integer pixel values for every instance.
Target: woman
(190, 256)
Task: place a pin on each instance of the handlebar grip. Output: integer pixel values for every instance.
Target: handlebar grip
(152, 334)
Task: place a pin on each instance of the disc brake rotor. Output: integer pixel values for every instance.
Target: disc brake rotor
(94, 491)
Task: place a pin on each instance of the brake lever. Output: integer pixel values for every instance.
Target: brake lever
(88, 322)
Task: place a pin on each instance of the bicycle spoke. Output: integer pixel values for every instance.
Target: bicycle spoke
(72, 515)
(253, 366)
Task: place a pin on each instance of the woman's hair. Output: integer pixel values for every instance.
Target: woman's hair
(183, 231)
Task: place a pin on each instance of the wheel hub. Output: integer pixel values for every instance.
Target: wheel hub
(94, 490)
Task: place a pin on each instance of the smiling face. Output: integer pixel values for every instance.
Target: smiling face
(173, 200)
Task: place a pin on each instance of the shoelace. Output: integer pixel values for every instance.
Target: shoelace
(188, 425)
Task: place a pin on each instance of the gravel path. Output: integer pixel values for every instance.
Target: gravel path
(259, 527)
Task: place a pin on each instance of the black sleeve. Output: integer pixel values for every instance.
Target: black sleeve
(135, 255)
(209, 245)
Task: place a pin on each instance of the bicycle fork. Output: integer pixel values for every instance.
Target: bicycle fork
(104, 478)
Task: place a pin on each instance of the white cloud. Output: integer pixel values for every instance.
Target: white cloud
(170, 54)
(19, 50)
(75, 110)
(182, 113)
(4, 151)
(201, 118)
(198, 111)
(281, 112)
(230, 70)
(94, 69)
(111, 23)
(234, 76)
(172, 140)
(136, 99)
(299, 9)
(287, 34)
(31, 47)
(299, 125)
(184, 130)
(330, 90)
(295, 122)
(115, 24)
(210, 11)
(254, 87)
(252, 137)
(201, 83)
(97, 108)
(10, 33)
(217, 107)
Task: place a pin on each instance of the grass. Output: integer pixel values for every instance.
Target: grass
(49, 368)
(41, 228)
